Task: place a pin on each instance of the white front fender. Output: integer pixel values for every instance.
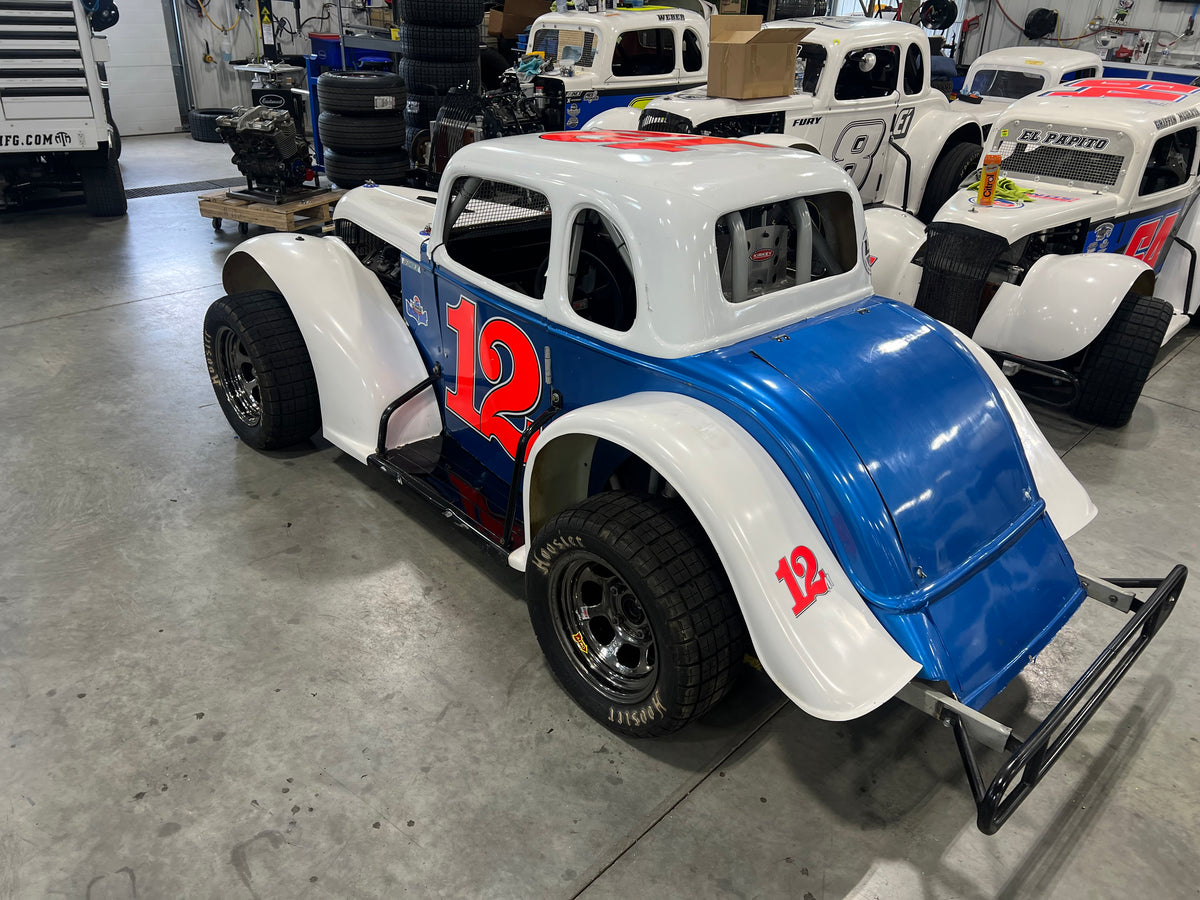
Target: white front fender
(894, 238)
(362, 352)
(1062, 304)
(834, 660)
(621, 118)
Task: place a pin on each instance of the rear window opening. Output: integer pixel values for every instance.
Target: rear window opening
(768, 248)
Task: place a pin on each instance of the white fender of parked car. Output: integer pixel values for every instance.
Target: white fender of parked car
(924, 144)
(894, 237)
(620, 118)
(1172, 282)
(1062, 304)
(1067, 501)
(834, 660)
(362, 353)
(790, 141)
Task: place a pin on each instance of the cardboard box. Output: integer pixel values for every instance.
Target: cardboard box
(732, 7)
(516, 17)
(746, 61)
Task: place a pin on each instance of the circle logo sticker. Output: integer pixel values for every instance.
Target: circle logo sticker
(762, 255)
(998, 203)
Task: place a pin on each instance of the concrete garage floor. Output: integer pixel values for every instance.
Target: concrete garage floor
(228, 674)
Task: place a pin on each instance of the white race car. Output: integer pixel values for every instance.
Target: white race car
(651, 369)
(1076, 287)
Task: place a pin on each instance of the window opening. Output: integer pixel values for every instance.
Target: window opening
(767, 248)
(1170, 162)
(600, 282)
(868, 73)
(500, 231)
(650, 51)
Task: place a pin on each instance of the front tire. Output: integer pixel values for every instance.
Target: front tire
(104, 188)
(948, 173)
(260, 370)
(1119, 361)
(634, 612)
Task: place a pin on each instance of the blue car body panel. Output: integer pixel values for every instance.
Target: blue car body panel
(930, 507)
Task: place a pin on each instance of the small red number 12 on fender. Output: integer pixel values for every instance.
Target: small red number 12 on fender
(803, 566)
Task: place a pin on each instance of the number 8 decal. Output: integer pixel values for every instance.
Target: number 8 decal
(803, 566)
(856, 148)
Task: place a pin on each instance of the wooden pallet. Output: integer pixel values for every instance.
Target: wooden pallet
(316, 209)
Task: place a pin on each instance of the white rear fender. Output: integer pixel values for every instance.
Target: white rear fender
(621, 118)
(1067, 501)
(924, 143)
(362, 352)
(834, 659)
(894, 238)
(1062, 304)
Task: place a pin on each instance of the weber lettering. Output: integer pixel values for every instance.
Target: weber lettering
(670, 17)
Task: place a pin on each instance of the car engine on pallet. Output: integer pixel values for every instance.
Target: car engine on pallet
(268, 151)
(468, 118)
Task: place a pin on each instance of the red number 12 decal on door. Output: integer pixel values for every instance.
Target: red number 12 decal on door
(803, 565)
(517, 396)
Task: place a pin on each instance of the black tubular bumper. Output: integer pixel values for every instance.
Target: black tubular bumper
(1034, 757)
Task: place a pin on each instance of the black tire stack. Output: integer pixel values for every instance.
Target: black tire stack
(362, 127)
(439, 40)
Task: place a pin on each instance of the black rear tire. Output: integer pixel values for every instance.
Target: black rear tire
(448, 13)
(948, 173)
(104, 189)
(1117, 364)
(260, 370)
(354, 170)
(203, 124)
(360, 134)
(435, 43)
(361, 92)
(634, 612)
(435, 77)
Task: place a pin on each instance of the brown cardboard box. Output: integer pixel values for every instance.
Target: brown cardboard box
(746, 61)
(732, 7)
(517, 16)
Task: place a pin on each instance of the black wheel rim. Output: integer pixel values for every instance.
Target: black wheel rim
(603, 629)
(236, 372)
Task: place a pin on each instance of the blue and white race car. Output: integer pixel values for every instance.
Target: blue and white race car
(652, 370)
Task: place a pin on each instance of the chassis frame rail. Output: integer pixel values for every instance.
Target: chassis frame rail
(1035, 756)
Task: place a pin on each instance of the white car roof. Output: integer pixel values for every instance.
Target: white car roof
(1057, 58)
(622, 20)
(827, 29)
(1122, 104)
(666, 204)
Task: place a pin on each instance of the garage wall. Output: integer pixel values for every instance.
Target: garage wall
(1073, 20)
(216, 83)
(141, 81)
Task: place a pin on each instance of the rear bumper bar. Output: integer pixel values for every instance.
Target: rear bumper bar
(1032, 758)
